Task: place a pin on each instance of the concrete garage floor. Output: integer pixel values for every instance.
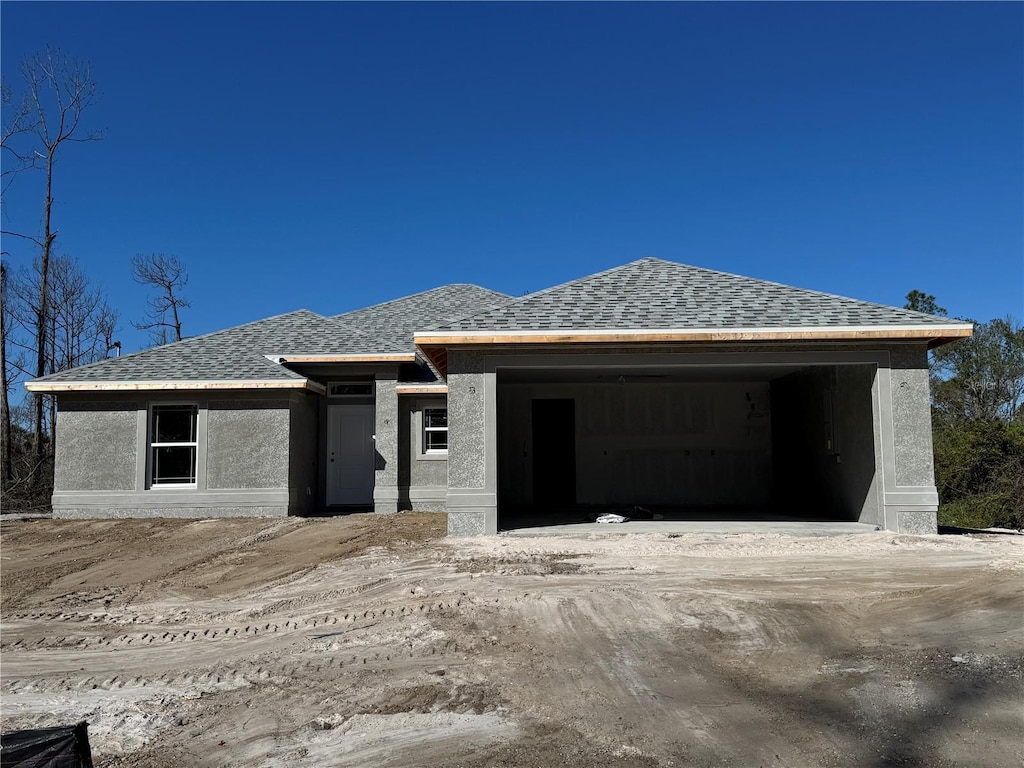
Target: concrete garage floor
(680, 527)
(578, 521)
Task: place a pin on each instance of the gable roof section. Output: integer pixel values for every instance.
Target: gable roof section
(655, 300)
(251, 355)
(649, 300)
(237, 357)
(652, 293)
(392, 324)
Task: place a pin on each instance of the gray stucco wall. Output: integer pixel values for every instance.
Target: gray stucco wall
(385, 487)
(422, 479)
(911, 499)
(213, 512)
(472, 500)
(467, 415)
(243, 462)
(96, 446)
(247, 444)
(911, 416)
(424, 471)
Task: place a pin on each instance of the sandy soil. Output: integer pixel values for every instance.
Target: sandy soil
(373, 641)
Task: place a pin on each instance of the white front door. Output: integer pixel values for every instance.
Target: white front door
(350, 454)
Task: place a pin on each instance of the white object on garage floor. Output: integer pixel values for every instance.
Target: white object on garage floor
(610, 518)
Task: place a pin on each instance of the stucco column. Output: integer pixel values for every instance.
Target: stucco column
(472, 500)
(911, 500)
(385, 481)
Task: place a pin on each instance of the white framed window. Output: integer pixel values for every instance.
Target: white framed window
(173, 445)
(435, 430)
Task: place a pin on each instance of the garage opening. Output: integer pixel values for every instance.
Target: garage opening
(686, 443)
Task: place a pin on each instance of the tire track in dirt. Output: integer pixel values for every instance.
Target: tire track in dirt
(637, 653)
(315, 661)
(24, 656)
(355, 618)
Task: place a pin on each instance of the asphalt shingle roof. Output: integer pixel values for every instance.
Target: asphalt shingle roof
(392, 324)
(237, 354)
(233, 354)
(656, 294)
(645, 294)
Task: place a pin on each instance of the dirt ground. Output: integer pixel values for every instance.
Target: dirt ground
(364, 641)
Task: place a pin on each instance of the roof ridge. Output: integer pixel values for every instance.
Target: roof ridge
(414, 295)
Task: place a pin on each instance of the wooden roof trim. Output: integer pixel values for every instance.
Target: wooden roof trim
(434, 346)
(438, 357)
(421, 389)
(145, 386)
(827, 333)
(372, 357)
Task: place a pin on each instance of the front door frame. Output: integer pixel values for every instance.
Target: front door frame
(359, 491)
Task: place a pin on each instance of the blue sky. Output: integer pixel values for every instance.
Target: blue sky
(331, 156)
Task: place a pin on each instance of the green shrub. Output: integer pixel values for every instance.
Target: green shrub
(979, 473)
(982, 511)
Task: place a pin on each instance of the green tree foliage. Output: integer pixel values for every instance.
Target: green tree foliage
(982, 377)
(979, 472)
(978, 423)
(919, 301)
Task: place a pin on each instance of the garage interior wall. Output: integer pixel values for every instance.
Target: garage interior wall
(649, 443)
(825, 450)
(800, 445)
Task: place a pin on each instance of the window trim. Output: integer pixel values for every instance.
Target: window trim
(151, 483)
(425, 454)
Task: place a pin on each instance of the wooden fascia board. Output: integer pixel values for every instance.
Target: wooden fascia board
(430, 341)
(148, 386)
(421, 389)
(434, 346)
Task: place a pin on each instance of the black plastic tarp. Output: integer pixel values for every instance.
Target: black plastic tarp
(66, 746)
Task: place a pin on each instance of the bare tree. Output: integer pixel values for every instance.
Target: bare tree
(17, 121)
(58, 90)
(83, 320)
(80, 331)
(82, 324)
(169, 276)
(6, 448)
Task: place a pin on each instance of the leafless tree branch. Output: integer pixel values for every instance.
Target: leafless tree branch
(169, 276)
(58, 91)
